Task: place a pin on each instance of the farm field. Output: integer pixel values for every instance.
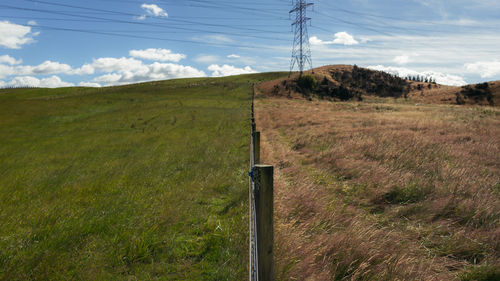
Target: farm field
(206, 140)
(137, 182)
(149, 182)
(384, 189)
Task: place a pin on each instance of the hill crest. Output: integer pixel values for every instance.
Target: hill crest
(346, 82)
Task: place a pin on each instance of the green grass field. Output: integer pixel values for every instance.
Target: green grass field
(138, 182)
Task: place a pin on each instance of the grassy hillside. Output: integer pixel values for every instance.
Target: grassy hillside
(383, 189)
(139, 182)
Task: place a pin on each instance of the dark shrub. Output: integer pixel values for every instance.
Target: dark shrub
(478, 93)
(306, 83)
(342, 93)
(482, 86)
(325, 81)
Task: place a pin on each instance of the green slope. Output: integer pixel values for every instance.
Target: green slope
(138, 182)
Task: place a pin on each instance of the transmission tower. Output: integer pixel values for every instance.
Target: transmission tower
(301, 52)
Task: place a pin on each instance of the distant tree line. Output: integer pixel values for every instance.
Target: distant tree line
(19, 87)
(424, 79)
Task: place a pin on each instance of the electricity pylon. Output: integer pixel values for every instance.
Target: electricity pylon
(301, 52)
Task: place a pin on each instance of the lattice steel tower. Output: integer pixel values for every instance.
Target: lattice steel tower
(301, 53)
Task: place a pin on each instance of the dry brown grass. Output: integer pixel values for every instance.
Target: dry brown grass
(382, 190)
(439, 94)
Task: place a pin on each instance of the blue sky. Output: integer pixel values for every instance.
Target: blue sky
(54, 43)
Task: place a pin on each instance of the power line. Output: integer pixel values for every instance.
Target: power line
(151, 24)
(107, 20)
(354, 24)
(300, 54)
(375, 30)
(137, 15)
(382, 21)
(148, 37)
(199, 4)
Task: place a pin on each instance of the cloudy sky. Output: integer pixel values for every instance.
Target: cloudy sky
(56, 43)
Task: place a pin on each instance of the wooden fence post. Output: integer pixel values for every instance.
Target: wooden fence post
(264, 218)
(256, 147)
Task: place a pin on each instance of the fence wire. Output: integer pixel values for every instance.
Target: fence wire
(253, 268)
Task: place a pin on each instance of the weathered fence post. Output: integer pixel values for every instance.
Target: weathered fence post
(256, 147)
(264, 218)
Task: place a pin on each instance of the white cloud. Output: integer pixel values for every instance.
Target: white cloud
(228, 70)
(465, 22)
(112, 71)
(233, 56)
(170, 70)
(153, 10)
(151, 72)
(484, 68)
(32, 23)
(117, 65)
(6, 71)
(45, 68)
(9, 60)
(364, 40)
(108, 79)
(216, 38)
(86, 69)
(314, 40)
(206, 59)
(54, 82)
(13, 36)
(441, 78)
(29, 81)
(129, 70)
(24, 81)
(115, 71)
(157, 55)
(344, 38)
(403, 59)
(89, 84)
(340, 38)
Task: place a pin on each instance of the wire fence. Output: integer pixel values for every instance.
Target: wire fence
(253, 249)
(261, 200)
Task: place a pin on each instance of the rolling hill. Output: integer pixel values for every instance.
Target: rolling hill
(346, 82)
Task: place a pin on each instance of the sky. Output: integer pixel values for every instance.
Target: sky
(59, 43)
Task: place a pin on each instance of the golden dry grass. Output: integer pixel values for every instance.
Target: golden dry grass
(383, 189)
